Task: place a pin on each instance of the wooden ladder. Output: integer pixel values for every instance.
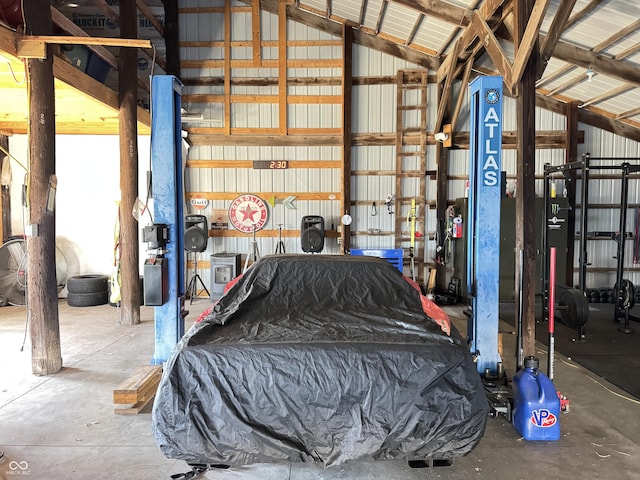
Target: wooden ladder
(411, 149)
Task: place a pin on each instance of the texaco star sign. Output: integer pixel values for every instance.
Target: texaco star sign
(247, 211)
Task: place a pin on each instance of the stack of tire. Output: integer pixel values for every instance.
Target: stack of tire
(87, 290)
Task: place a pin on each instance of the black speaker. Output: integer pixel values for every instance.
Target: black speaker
(312, 233)
(196, 233)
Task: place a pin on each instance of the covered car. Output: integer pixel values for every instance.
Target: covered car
(323, 359)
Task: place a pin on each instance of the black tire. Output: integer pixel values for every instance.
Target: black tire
(87, 299)
(87, 284)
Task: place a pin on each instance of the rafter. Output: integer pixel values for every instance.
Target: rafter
(414, 29)
(600, 63)
(556, 74)
(469, 35)
(582, 13)
(528, 41)
(607, 95)
(570, 83)
(464, 84)
(490, 42)
(558, 25)
(381, 13)
(629, 113)
(440, 10)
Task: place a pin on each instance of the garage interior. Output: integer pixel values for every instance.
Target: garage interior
(352, 114)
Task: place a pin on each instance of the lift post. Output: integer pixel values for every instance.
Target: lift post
(483, 239)
(168, 207)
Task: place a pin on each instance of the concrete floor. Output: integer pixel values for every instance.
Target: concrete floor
(63, 426)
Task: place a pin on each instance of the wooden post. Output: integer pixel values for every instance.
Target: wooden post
(171, 37)
(442, 194)
(347, 99)
(127, 86)
(42, 292)
(5, 194)
(525, 175)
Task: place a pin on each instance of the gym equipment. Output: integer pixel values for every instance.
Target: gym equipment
(621, 311)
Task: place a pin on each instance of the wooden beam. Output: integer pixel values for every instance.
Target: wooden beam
(525, 175)
(347, 106)
(171, 38)
(593, 117)
(146, 11)
(255, 33)
(302, 196)
(282, 68)
(68, 26)
(603, 64)
(28, 40)
(442, 195)
(464, 84)
(381, 12)
(227, 67)
(493, 48)
(265, 140)
(486, 11)
(108, 11)
(441, 10)
(607, 95)
(409, 54)
(553, 35)
(583, 13)
(629, 113)
(128, 238)
(235, 164)
(444, 100)
(528, 41)
(42, 290)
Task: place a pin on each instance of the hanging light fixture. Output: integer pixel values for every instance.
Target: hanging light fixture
(590, 73)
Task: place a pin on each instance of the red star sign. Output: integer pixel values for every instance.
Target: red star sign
(247, 213)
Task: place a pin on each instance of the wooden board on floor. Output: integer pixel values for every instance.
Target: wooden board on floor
(133, 394)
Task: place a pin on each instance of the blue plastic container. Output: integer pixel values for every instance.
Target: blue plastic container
(536, 414)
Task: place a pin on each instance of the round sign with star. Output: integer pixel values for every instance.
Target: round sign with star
(248, 212)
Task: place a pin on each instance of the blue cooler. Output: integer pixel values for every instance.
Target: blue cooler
(536, 405)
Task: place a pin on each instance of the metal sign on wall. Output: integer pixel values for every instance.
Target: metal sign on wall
(248, 213)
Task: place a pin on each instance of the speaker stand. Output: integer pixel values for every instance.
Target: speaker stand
(192, 288)
(280, 248)
(253, 254)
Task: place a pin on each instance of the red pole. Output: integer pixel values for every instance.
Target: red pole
(552, 302)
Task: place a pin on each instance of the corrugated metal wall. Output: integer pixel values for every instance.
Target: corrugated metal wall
(373, 111)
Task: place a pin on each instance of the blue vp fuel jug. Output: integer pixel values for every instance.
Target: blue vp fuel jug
(536, 405)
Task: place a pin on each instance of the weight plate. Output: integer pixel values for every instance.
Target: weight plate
(626, 294)
(575, 311)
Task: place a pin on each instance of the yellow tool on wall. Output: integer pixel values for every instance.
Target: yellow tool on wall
(411, 219)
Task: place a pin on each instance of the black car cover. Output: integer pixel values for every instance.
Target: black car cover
(324, 359)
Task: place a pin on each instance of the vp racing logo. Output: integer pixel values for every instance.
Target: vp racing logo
(543, 418)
